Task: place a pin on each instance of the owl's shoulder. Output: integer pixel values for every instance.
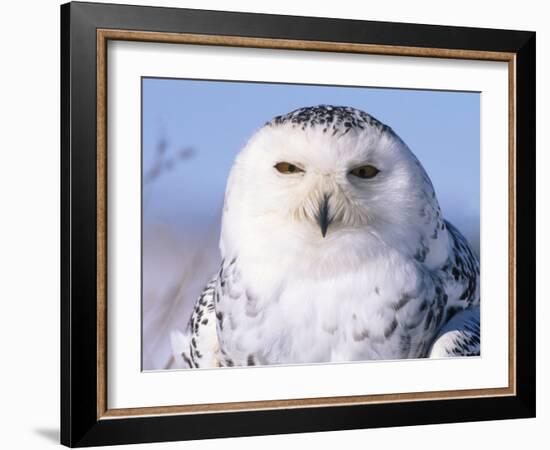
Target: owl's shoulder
(198, 345)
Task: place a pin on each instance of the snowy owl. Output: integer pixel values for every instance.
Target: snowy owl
(334, 248)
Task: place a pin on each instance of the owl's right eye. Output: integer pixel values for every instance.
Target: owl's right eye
(287, 168)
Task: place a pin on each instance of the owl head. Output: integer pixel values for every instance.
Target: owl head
(328, 179)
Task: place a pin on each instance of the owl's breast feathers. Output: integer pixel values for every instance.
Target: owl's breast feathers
(232, 324)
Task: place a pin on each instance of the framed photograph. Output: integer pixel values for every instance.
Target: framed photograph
(277, 224)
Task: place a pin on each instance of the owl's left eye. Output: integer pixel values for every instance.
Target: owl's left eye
(286, 168)
(367, 171)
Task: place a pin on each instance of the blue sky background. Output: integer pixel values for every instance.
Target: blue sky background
(216, 118)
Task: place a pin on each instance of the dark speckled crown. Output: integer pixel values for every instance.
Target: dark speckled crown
(333, 119)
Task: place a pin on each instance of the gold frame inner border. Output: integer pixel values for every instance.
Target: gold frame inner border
(104, 35)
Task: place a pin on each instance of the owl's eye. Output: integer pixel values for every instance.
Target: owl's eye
(287, 168)
(367, 171)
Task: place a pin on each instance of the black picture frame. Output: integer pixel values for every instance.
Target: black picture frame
(80, 424)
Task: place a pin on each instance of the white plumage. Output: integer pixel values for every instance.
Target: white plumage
(334, 249)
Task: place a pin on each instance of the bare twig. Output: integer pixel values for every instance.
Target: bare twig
(164, 161)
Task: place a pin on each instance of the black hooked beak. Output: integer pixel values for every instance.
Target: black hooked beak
(323, 218)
